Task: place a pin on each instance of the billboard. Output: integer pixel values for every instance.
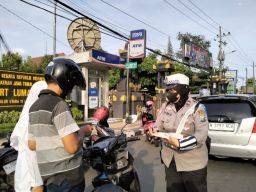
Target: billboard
(15, 87)
(197, 56)
(137, 44)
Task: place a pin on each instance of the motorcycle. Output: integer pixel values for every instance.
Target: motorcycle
(113, 162)
(8, 157)
(148, 123)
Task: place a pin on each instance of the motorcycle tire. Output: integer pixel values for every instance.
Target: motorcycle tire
(148, 138)
(156, 142)
(135, 184)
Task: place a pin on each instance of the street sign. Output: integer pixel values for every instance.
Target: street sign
(131, 65)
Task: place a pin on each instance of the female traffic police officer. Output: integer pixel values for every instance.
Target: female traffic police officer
(185, 159)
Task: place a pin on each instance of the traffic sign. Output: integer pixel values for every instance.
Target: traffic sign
(131, 65)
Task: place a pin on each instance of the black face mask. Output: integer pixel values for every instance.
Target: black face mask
(172, 97)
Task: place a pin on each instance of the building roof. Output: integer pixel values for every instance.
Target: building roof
(38, 60)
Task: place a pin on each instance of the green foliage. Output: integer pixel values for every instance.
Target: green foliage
(45, 61)
(11, 61)
(179, 68)
(249, 82)
(114, 77)
(148, 75)
(198, 40)
(6, 127)
(77, 114)
(29, 67)
(9, 117)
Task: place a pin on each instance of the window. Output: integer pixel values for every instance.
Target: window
(227, 110)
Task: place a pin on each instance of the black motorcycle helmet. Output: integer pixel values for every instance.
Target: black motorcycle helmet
(66, 73)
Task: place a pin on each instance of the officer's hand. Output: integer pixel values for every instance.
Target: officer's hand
(173, 141)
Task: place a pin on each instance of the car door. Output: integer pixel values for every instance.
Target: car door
(230, 120)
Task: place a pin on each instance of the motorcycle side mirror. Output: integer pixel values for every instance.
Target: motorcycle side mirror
(131, 119)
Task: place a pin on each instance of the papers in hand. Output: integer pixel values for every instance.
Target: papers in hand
(167, 135)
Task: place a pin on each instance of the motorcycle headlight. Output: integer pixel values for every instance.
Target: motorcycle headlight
(121, 163)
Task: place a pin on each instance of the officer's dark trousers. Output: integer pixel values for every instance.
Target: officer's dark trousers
(186, 181)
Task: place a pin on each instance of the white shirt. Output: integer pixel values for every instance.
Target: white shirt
(26, 173)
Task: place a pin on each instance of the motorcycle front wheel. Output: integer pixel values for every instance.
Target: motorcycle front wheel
(135, 184)
(148, 137)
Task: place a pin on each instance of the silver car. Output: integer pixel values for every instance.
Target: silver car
(232, 125)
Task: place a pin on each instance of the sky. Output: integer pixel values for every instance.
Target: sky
(29, 30)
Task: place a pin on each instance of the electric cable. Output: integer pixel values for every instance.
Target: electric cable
(152, 27)
(177, 9)
(31, 24)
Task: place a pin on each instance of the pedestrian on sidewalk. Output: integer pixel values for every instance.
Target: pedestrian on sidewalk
(53, 131)
(185, 158)
(27, 174)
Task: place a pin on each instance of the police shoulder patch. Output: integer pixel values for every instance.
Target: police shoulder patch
(202, 115)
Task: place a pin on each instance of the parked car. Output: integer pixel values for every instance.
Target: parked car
(232, 125)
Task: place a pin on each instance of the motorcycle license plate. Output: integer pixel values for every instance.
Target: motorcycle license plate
(10, 167)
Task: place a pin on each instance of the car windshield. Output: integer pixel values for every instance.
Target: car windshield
(228, 112)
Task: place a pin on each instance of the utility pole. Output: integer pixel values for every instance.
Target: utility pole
(221, 55)
(127, 83)
(54, 30)
(246, 80)
(253, 80)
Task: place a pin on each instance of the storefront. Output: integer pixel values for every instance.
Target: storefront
(95, 65)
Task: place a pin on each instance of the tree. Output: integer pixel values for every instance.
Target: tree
(11, 61)
(45, 61)
(197, 79)
(146, 72)
(114, 77)
(29, 67)
(169, 51)
(198, 40)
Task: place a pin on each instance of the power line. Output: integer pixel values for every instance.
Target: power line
(111, 30)
(116, 33)
(239, 47)
(152, 27)
(203, 12)
(67, 18)
(171, 5)
(168, 57)
(197, 14)
(79, 8)
(31, 24)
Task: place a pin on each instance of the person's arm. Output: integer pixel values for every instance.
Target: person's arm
(183, 144)
(31, 138)
(200, 135)
(158, 125)
(32, 145)
(66, 127)
(71, 143)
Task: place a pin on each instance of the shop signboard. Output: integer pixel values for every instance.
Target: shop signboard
(137, 44)
(104, 57)
(131, 65)
(197, 56)
(93, 102)
(15, 87)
